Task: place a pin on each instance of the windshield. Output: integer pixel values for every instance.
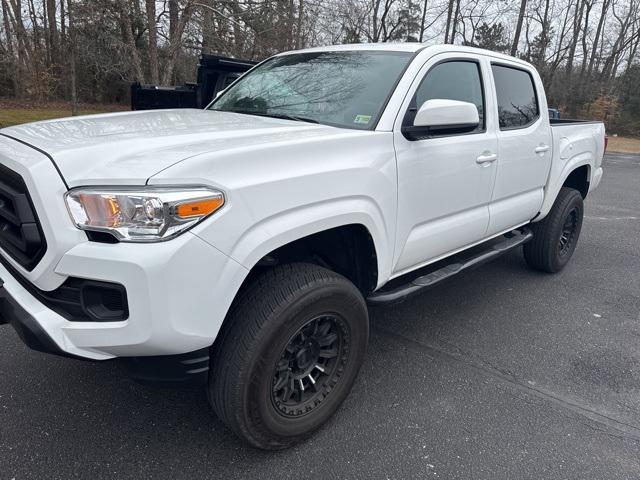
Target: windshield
(344, 89)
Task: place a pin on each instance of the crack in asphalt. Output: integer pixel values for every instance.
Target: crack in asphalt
(628, 430)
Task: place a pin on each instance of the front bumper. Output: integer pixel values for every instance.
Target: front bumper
(27, 327)
(178, 292)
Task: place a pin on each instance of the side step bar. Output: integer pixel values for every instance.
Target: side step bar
(398, 294)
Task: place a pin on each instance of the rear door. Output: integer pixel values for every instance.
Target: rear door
(524, 146)
(444, 180)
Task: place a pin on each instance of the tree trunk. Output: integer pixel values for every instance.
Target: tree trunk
(454, 22)
(127, 30)
(376, 30)
(7, 30)
(422, 20)
(207, 30)
(174, 15)
(599, 29)
(72, 60)
(153, 41)
(545, 39)
(63, 19)
(175, 33)
(22, 47)
(449, 15)
(585, 47)
(299, 25)
(53, 30)
(577, 27)
(516, 35)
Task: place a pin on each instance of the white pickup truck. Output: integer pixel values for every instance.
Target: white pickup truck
(240, 244)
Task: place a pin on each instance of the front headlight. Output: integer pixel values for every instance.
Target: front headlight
(142, 214)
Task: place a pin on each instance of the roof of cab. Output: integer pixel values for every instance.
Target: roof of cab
(410, 47)
(388, 47)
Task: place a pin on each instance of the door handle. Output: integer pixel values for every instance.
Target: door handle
(487, 158)
(542, 148)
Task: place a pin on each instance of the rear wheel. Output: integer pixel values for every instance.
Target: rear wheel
(555, 238)
(288, 354)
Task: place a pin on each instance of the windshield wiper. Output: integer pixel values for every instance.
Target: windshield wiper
(284, 116)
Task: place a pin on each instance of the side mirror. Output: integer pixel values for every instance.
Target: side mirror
(444, 116)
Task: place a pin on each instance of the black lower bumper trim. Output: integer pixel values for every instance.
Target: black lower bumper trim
(188, 368)
(27, 328)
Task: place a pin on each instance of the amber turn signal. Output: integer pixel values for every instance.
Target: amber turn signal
(199, 208)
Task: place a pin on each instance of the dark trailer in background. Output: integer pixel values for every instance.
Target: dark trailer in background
(214, 74)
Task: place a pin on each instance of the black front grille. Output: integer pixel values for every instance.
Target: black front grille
(20, 232)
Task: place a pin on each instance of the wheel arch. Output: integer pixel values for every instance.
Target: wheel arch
(347, 249)
(575, 174)
(356, 218)
(579, 179)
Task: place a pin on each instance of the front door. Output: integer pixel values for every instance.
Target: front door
(444, 181)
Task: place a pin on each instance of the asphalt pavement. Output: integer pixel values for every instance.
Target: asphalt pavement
(501, 373)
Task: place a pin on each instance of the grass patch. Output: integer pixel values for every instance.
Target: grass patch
(624, 145)
(9, 117)
(13, 112)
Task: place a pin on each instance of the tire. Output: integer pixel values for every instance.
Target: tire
(555, 237)
(284, 321)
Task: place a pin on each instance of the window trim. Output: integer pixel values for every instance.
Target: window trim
(406, 123)
(535, 94)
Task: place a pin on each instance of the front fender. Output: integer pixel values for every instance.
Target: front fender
(287, 226)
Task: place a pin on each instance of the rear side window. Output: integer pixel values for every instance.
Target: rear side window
(453, 80)
(517, 101)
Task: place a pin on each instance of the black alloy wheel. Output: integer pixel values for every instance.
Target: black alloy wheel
(310, 365)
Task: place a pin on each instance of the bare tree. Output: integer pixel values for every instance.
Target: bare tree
(72, 60)
(153, 40)
(516, 35)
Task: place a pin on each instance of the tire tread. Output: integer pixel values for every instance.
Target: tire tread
(236, 345)
(540, 252)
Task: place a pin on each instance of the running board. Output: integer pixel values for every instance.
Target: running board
(424, 282)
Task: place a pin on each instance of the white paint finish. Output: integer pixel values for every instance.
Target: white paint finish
(515, 210)
(46, 190)
(127, 148)
(423, 54)
(524, 160)
(577, 145)
(178, 295)
(440, 236)
(443, 192)
(382, 47)
(439, 112)
(286, 190)
(421, 201)
(595, 179)
(430, 261)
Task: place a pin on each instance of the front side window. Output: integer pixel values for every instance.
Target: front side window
(517, 102)
(453, 80)
(345, 89)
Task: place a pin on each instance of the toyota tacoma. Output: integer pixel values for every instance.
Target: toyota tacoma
(241, 244)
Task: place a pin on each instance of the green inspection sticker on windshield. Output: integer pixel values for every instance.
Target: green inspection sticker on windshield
(362, 119)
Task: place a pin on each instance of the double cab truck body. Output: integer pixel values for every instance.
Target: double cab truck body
(240, 243)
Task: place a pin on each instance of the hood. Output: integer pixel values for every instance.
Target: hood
(129, 147)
